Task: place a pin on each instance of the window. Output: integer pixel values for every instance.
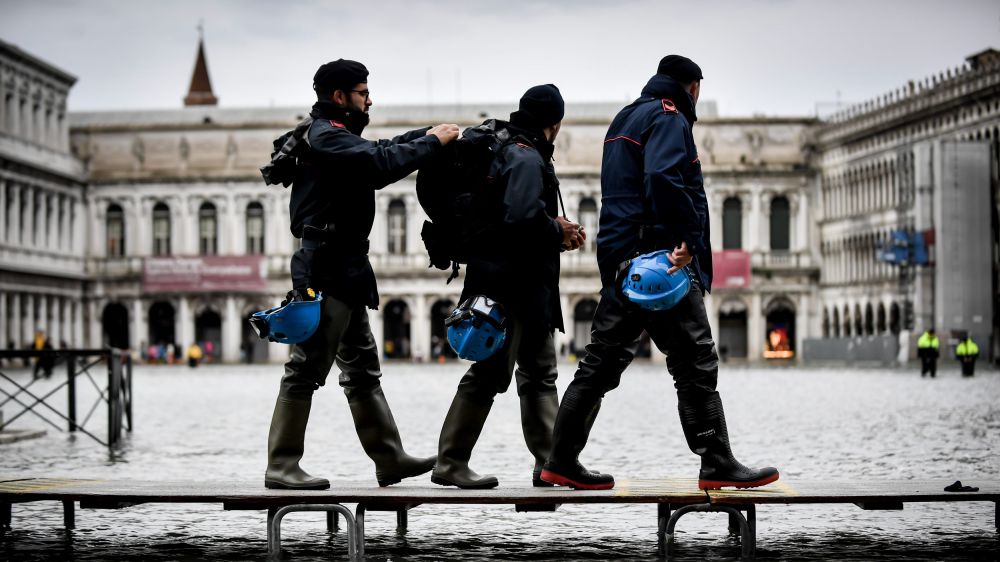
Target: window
(208, 238)
(161, 230)
(732, 224)
(588, 219)
(780, 222)
(115, 221)
(397, 227)
(255, 228)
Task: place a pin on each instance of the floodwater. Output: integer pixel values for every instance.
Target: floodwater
(211, 423)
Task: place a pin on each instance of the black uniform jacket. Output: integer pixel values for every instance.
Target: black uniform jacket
(519, 264)
(335, 189)
(651, 176)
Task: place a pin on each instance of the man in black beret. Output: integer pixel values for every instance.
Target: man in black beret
(654, 199)
(517, 265)
(332, 210)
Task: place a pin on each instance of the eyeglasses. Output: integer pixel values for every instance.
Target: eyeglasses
(364, 93)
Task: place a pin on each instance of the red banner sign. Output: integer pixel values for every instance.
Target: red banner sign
(201, 274)
(731, 269)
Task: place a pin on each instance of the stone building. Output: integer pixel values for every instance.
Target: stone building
(43, 274)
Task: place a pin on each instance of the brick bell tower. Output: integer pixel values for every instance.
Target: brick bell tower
(200, 91)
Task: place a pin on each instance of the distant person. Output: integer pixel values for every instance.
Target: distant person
(334, 174)
(194, 355)
(654, 201)
(209, 351)
(928, 350)
(46, 362)
(967, 353)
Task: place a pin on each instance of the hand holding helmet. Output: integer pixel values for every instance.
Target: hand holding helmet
(656, 281)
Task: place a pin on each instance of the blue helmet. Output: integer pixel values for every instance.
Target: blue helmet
(476, 329)
(648, 285)
(294, 322)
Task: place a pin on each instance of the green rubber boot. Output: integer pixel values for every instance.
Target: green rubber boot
(538, 416)
(380, 438)
(285, 445)
(461, 429)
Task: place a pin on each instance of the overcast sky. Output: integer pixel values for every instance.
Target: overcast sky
(775, 57)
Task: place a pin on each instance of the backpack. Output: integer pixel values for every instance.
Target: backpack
(288, 148)
(456, 192)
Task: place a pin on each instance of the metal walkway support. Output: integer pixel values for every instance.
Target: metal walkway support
(275, 515)
(117, 394)
(402, 520)
(747, 529)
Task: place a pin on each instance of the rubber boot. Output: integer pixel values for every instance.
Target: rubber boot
(705, 430)
(285, 445)
(538, 417)
(461, 429)
(380, 438)
(572, 429)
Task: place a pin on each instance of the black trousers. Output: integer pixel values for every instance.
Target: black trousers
(928, 365)
(532, 350)
(343, 336)
(681, 333)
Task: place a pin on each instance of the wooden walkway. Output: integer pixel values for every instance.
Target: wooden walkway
(674, 497)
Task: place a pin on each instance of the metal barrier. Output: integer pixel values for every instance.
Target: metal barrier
(117, 394)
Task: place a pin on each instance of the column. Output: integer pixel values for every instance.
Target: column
(28, 229)
(753, 223)
(420, 329)
(231, 339)
(414, 222)
(95, 338)
(76, 310)
(802, 220)
(139, 331)
(712, 311)
(65, 239)
(15, 332)
(803, 329)
(4, 319)
(14, 222)
(28, 323)
(568, 325)
(43, 315)
(4, 217)
(765, 223)
(755, 319)
(15, 117)
(76, 226)
(53, 209)
(55, 323)
(379, 239)
(715, 220)
(185, 324)
(66, 324)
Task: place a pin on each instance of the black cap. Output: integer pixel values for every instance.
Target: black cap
(540, 107)
(340, 74)
(682, 69)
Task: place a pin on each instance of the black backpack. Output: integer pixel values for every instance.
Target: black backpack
(457, 194)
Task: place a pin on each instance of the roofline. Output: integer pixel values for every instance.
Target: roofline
(17, 52)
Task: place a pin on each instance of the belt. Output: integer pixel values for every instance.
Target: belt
(353, 248)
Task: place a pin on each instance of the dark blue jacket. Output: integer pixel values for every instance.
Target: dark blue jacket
(519, 265)
(651, 176)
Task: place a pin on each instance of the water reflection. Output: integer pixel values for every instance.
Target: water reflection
(211, 424)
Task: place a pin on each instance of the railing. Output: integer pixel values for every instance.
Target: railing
(117, 394)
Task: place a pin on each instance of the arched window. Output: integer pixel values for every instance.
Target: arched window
(588, 219)
(732, 224)
(780, 222)
(836, 323)
(115, 222)
(826, 323)
(208, 230)
(397, 227)
(161, 230)
(255, 228)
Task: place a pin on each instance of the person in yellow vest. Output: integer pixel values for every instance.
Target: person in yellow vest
(194, 354)
(928, 348)
(967, 352)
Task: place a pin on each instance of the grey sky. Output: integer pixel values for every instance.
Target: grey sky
(777, 57)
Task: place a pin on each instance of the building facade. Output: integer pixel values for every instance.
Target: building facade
(43, 200)
(173, 238)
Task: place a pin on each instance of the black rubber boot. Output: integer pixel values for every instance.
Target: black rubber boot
(705, 430)
(285, 445)
(538, 417)
(461, 429)
(380, 438)
(572, 429)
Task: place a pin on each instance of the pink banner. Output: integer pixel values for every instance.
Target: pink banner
(731, 269)
(202, 274)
